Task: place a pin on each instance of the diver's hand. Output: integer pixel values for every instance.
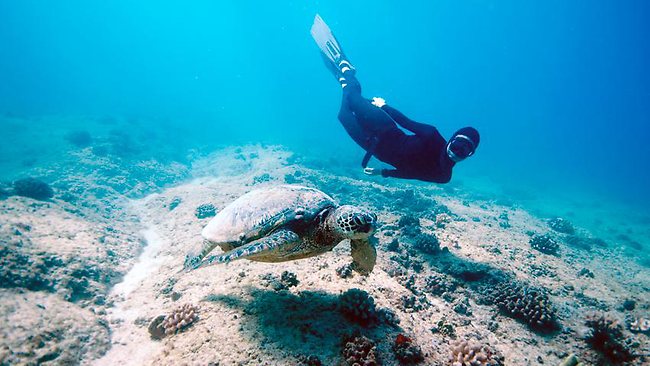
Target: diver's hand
(378, 102)
(371, 171)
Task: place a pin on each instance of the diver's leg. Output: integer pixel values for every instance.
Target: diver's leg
(352, 126)
(372, 119)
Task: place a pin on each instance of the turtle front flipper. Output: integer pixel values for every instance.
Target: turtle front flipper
(276, 244)
(364, 256)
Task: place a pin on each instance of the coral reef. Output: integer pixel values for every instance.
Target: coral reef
(409, 225)
(79, 138)
(360, 351)
(266, 177)
(464, 353)
(205, 210)
(545, 244)
(180, 318)
(359, 307)
(606, 336)
(33, 188)
(406, 351)
(426, 243)
(527, 304)
(438, 284)
(444, 328)
(413, 303)
(561, 225)
(284, 282)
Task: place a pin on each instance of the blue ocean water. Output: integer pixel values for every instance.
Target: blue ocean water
(559, 90)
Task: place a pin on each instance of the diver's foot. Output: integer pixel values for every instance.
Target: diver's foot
(345, 67)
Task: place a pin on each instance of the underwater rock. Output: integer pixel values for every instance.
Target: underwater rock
(345, 271)
(529, 305)
(205, 210)
(545, 244)
(406, 351)
(79, 138)
(629, 304)
(359, 307)
(19, 270)
(586, 273)
(571, 360)
(464, 353)
(561, 225)
(174, 203)
(360, 351)
(393, 245)
(180, 318)
(33, 188)
(581, 242)
(606, 336)
(156, 329)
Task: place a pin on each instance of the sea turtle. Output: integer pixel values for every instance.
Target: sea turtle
(283, 223)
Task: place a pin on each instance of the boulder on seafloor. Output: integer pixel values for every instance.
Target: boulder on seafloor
(33, 188)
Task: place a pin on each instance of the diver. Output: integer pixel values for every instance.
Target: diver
(424, 155)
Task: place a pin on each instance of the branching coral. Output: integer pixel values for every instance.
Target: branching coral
(464, 353)
(606, 336)
(360, 351)
(359, 307)
(545, 244)
(527, 304)
(179, 319)
(407, 351)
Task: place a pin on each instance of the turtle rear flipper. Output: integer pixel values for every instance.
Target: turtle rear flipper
(364, 256)
(280, 241)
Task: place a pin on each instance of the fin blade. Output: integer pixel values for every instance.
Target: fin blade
(326, 40)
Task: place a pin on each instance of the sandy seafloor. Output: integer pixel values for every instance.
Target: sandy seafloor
(84, 273)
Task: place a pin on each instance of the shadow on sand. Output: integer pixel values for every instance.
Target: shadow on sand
(303, 324)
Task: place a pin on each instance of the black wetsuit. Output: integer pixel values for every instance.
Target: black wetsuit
(421, 156)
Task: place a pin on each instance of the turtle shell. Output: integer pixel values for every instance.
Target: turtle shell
(258, 212)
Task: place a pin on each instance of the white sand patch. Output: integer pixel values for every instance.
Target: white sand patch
(130, 343)
(147, 264)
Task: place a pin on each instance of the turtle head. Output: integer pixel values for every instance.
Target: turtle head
(353, 222)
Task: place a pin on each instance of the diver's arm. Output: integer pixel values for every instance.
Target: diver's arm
(415, 127)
